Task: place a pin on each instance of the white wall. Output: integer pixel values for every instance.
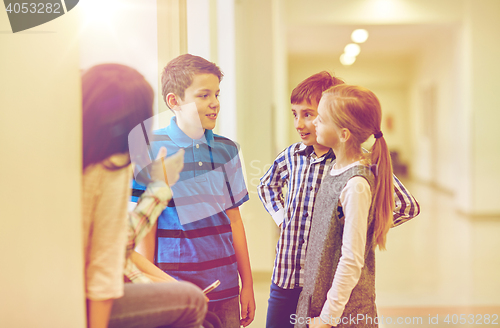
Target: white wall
(41, 270)
(483, 29)
(281, 118)
(254, 99)
(211, 35)
(198, 28)
(226, 59)
(436, 72)
(123, 32)
(463, 67)
(482, 19)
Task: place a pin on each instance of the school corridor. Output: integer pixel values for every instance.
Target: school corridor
(433, 64)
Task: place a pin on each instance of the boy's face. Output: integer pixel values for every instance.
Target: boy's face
(304, 115)
(203, 93)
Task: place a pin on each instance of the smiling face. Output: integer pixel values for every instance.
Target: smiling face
(304, 115)
(327, 132)
(200, 107)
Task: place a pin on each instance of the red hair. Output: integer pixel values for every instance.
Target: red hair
(358, 110)
(310, 89)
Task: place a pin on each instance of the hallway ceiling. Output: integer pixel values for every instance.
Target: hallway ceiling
(383, 41)
(396, 27)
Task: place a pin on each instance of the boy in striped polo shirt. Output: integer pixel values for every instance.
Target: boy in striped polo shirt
(300, 168)
(200, 236)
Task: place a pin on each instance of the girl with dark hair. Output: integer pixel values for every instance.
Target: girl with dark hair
(117, 98)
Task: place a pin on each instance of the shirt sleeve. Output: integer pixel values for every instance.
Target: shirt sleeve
(355, 200)
(106, 231)
(145, 214)
(141, 220)
(406, 206)
(134, 275)
(270, 189)
(237, 189)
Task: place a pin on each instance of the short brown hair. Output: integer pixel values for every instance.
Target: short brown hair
(312, 88)
(178, 75)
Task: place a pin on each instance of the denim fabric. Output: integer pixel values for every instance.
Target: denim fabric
(172, 304)
(281, 305)
(228, 312)
(212, 321)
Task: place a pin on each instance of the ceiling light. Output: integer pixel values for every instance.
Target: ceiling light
(347, 60)
(359, 36)
(352, 49)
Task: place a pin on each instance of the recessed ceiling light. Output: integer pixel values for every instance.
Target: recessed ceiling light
(347, 60)
(352, 49)
(359, 36)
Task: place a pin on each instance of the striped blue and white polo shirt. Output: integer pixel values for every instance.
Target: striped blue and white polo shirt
(194, 237)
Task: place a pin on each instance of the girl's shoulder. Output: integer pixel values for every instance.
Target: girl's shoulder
(355, 175)
(113, 167)
(357, 166)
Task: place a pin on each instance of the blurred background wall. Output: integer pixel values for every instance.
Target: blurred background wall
(433, 64)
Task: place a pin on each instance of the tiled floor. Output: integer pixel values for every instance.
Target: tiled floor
(439, 266)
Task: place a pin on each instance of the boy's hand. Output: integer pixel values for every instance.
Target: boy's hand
(247, 302)
(167, 169)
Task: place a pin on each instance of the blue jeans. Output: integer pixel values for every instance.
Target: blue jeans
(228, 312)
(281, 305)
(170, 304)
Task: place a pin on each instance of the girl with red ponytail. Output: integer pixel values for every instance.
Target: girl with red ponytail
(353, 213)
